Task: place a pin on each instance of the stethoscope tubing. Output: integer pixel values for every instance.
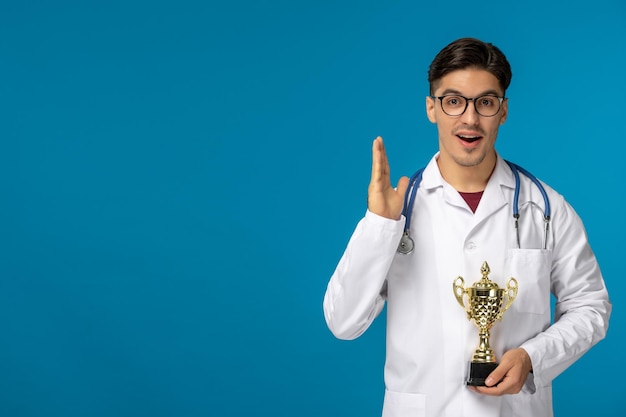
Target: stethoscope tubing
(409, 197)
(546, 201)
(406, 243)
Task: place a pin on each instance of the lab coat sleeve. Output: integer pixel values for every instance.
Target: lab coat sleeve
(582, 308)
(356, 291)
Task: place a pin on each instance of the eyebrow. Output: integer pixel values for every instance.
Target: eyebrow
(458, 93)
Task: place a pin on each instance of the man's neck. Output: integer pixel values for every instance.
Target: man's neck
(467, 179)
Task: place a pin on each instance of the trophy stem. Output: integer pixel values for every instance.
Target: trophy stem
(483, 362)
(484, 353)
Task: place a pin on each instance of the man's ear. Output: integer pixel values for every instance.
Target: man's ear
(504, 110)
(430, 109)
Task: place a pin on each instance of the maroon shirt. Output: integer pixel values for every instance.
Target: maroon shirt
(472, 199)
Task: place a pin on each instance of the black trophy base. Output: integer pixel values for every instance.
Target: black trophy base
(479, 372)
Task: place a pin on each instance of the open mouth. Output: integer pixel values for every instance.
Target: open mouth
(469, 138)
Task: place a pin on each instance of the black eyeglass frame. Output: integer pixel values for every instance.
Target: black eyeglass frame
(467, 100)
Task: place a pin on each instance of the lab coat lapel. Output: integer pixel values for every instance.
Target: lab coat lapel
(494, 198)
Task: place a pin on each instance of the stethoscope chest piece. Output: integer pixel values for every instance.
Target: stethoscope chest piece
(406, 244)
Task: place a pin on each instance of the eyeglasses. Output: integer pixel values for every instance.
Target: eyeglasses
(454, 105)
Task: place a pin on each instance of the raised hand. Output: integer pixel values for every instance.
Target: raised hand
(382, 198)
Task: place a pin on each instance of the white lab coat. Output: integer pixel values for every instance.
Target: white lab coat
(430, 341)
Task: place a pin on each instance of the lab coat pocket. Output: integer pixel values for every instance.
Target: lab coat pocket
(400, 404)
(531, 268)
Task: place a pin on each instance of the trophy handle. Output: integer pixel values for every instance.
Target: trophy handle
(511, 293)
(459, 291)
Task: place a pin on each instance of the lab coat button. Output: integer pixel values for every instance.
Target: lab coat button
(470, 246)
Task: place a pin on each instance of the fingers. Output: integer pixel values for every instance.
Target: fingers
(506, 386)
(497, 375)
(510, 376)
(382, 198)
(380, 165)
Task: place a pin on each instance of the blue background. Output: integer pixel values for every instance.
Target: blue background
(179, 180)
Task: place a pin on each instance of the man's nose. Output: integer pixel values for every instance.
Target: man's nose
(470, 116)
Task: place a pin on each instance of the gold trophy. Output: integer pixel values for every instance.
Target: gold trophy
(485, 301)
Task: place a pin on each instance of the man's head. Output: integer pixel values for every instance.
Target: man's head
(468, 80)
(469, 53)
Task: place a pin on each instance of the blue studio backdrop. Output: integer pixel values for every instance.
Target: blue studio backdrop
(180, 178)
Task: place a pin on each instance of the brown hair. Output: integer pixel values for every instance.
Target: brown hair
(470, 53)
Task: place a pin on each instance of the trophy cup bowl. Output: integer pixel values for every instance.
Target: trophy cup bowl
(485, 306)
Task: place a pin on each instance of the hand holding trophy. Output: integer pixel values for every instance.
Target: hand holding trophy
(485, 300)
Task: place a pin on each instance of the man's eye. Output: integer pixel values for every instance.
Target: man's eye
(487, 101)
(453, 101)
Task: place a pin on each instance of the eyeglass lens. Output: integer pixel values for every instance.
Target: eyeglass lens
(484, 105)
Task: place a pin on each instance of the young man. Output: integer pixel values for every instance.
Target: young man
(462, 217)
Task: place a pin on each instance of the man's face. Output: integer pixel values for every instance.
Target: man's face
(467, 140)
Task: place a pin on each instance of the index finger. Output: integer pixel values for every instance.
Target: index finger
(380, 165)
(496, 390)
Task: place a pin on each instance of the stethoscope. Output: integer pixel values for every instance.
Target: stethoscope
(406, 242)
